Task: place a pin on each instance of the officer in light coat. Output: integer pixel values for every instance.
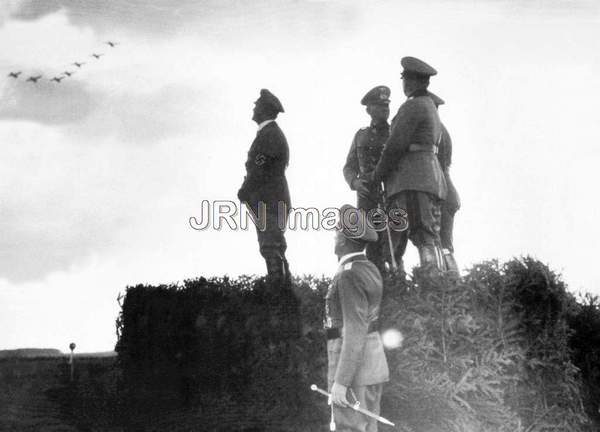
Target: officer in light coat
(409, 167)
(357, 367)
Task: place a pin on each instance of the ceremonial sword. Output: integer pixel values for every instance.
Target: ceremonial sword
(356, 407)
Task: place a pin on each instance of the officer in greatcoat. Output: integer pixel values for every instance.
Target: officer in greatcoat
(361, 161)
(265, 189)
(357, 366)
(409, 167)
(452, 203)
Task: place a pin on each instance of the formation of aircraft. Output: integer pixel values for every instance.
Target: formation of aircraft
(65, 74)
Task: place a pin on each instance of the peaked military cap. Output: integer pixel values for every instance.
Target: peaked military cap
(414, 66)
(436, 99)
(353, 224)
(269, 99)
(377, 95)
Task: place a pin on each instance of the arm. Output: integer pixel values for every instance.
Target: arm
(354, 304)
(263, 162)
(351, 166)
(403, 128)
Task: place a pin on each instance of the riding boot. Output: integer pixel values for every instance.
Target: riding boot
(450, 262)
(431, 259)
(286, 269)
(275, 270)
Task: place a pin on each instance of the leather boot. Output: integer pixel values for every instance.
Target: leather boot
(430, 257)
(450, 262)
(275, 270)
(286, 269)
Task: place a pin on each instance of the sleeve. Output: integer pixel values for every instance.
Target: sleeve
(445, 150)
(263, 161)
(403, 128)
(354, 302)
(351, 168)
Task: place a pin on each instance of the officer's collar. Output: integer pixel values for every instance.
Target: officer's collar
(263, 124)
(351, 257)
(419, 92)
(380, 125)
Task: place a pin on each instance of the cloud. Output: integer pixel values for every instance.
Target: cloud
(46, 102)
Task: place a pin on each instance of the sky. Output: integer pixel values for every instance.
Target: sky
(101, 173)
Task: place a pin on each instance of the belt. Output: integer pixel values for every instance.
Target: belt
(334, 333)
(423, 148)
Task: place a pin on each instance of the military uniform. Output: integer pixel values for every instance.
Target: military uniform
(452, 203)
(362, 158)
(410, 169)
(354, 348)
(265, 187)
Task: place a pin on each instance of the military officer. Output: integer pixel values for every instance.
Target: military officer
(357, 367)
(452, 203)
(409, 167)
(363, 157)
(265, 189)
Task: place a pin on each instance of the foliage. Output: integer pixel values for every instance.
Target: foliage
(503, 349)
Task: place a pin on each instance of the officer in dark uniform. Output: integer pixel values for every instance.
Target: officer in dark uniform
(265, 189)
(452, 203)
(357, 366)
(363, 157)
(410, 169)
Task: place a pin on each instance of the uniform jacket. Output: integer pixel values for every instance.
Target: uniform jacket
(417, 122)
(445, 159)
(267, 160)
(353, 301)
(365, 152)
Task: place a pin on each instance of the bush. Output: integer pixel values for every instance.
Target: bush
(499, 350)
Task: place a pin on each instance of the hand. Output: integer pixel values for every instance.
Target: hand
(338, 395)
(362, 187)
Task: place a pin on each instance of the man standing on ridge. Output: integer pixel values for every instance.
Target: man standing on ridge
(265, 189)
(409, 167)
(361, 161)
(452, 203)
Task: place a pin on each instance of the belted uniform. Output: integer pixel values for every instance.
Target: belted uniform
(354, 348)
(412, 174)
(362, 158)
(265, 187)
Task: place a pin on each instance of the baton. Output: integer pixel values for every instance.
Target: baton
(356, 407)
(387, 230)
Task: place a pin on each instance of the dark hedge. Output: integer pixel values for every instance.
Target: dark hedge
(505, 348)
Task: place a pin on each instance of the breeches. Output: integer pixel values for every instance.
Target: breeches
(270, 220)
(424, 215)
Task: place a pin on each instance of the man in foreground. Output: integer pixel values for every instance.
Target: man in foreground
(357, 364)
(265, 189)
(363, 157)
(409, 167)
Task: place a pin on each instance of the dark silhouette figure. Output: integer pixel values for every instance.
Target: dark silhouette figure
(68, 73)
(112, 44)
(57, 79)
(97, 56)
(34, 79)
(78, 64)
(14, 74)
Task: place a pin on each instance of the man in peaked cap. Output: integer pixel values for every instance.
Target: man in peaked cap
(409, 167)
(357, 367)
(363, 157)
(265, 189)
(452, 203)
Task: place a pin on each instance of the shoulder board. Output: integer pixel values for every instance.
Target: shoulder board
(364, 128)
(348, 266)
